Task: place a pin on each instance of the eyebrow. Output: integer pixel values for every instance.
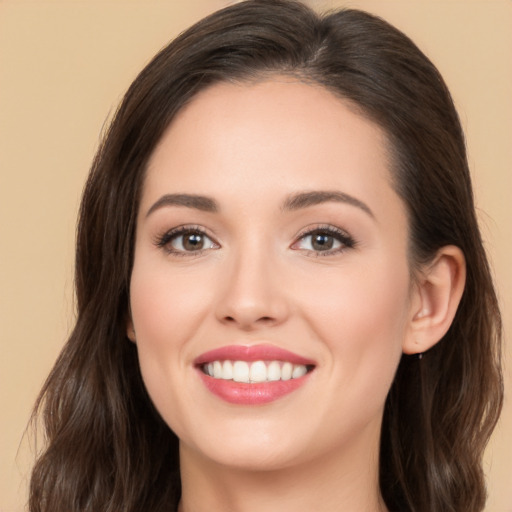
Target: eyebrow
(295, 202)
(306, 199)
(203, 203)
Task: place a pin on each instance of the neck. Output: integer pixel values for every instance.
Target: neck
(329, 484)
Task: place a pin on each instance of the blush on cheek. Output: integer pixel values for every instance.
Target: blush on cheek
(163, 303)
(362, 317)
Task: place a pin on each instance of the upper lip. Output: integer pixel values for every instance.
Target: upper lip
(262, 352)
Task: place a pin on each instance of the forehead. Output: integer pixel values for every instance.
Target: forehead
(270, 137)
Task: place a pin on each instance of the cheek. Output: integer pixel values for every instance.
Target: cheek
(364, 299)
(167, 311)
(166, 305)
(361, 317)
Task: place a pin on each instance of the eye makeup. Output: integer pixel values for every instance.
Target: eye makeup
(193, 240)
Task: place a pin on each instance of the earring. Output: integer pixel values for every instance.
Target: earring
(420, 355)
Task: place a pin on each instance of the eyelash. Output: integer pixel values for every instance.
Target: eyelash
(164, 240)
(346, 241)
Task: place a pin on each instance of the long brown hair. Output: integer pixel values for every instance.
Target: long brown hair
(107, 448)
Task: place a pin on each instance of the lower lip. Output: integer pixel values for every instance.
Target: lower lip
(241, 393)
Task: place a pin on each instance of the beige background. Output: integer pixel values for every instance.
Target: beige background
(64, 66)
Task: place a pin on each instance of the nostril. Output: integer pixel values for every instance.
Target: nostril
(245, 322)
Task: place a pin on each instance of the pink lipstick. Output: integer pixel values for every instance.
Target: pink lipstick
(252, 375)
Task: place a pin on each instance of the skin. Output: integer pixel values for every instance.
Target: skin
(250, 147)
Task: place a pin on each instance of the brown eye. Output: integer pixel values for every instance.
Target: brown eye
(187, 241)
(329, 240)
(192, 242)
(322, 242)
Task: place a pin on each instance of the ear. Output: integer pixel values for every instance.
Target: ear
(435, 299)
(130, 330)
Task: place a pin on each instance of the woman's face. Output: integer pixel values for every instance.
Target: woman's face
(270, 292)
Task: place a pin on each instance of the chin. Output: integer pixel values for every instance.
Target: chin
(249, 446)
(252, 458)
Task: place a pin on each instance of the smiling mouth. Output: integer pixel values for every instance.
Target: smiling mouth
(253, 375)
(256, 371)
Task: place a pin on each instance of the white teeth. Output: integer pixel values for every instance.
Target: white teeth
(227, 370)
(298, 371)
(240, 371)
(258, 371)
(274, 371)
(217, 369)
(286, 371)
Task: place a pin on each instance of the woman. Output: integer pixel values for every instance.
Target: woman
(283, 298)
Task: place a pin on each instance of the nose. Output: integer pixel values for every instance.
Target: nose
(252, 295)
